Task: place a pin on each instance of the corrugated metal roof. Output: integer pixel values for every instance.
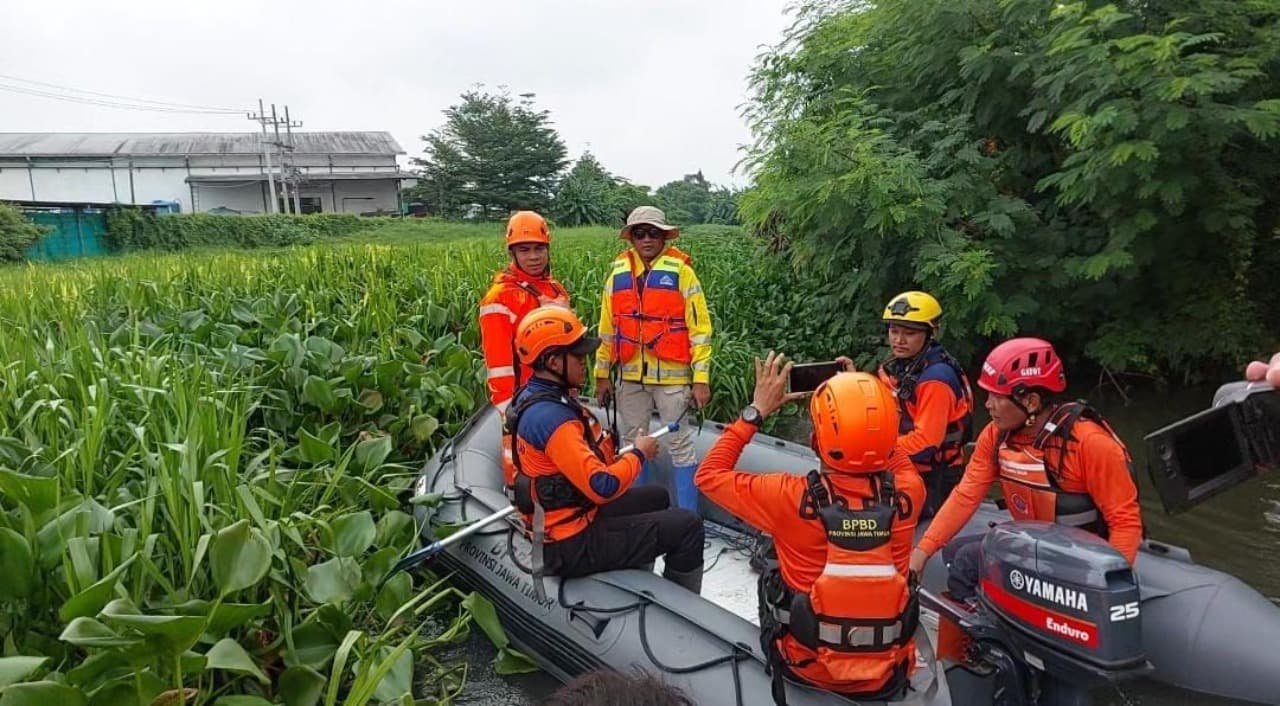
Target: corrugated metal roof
(307, 177)
(138, 144)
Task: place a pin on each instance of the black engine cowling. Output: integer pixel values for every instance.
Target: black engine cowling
(1067, 598)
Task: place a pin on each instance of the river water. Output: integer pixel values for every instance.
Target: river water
(1237, 532)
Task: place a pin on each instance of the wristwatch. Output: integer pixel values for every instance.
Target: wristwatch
(751, 415)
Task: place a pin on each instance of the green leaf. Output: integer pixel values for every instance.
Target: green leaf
(313, 647)
(398, 680)
(395, 529)
(229, 656)
(313, 448)
(37, 493)
(242, 700)
(15, 669)
(483, 612)
(370, 453)
(396, 592)
(17, 565)
(353, 533)
(240, 557)
(42, 693)
(301, 686)
(91, 600)
(87, 632)
(509, 661)
(334, 581)
(318, 392)
(423, 426)
(173, 634)
(371, 400)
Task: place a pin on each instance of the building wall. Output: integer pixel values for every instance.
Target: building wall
(143, 180)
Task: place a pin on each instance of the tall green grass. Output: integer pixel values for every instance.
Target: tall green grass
(203, 457)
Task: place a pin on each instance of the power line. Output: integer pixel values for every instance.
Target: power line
(165, 104)
(109, 104)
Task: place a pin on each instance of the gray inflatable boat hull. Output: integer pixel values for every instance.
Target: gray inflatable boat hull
(1203, 630)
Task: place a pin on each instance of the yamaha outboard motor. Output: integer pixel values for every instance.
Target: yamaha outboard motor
(1057, 616)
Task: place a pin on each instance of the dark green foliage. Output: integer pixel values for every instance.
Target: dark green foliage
(131, 229)
(1102, 175)
(494, 155)
(17, 233)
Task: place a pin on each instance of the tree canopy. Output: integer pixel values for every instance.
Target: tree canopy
(1100, 174)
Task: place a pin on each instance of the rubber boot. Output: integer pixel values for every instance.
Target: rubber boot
(691, 580)
(686, 491)
(646, 474)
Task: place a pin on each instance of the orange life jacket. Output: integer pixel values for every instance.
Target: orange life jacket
(859, 617)
(1029, 480)
(959, 429)
(649, 313)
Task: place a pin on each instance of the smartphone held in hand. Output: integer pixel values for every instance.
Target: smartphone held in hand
(805, 377)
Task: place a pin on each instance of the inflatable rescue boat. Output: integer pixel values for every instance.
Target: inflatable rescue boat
(1191, 626)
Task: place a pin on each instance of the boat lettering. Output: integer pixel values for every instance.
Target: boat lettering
(1067, 630)
(1049, 591)
(503, 572)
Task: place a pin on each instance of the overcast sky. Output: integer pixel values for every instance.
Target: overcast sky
(653, 87)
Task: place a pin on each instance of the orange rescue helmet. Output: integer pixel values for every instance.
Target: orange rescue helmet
(527, 227)
(548, 328)
(855, 423)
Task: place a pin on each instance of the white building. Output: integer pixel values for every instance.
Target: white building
(337, 172)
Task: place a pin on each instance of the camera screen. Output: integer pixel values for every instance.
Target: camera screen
(1206, 447)
(807, 376)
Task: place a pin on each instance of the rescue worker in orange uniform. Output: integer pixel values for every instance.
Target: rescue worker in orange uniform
(575, 493)
(1056, 461)
(935, 401)
(657, 338)
(839, 612)
(522, 286)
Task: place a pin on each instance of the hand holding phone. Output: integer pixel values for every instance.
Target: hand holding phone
(806, 377)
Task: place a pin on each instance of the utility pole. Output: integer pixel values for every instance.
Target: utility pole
(260, 117)
(293, 169)
(275, 123)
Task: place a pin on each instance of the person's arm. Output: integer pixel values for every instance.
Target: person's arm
(600, 482)
(754, 498)
(698, 319)
(497, 333)
(604, 354)
(1105, 472)
(966, 497)
(934, 401)
(906, 482)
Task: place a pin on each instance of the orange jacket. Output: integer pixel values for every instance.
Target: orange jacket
(1094, 464)
(508, 300)
(552, 442)
(770, 503)
(936, 414)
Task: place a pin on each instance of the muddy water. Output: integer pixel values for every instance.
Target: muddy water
(1238, 532)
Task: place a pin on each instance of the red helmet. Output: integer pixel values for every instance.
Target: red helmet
(855, 422)
(1018, 364)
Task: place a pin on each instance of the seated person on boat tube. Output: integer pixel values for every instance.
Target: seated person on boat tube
(840, 611)
(574, 492)
(1056, 460)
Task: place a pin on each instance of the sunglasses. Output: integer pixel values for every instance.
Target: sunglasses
(647, 232)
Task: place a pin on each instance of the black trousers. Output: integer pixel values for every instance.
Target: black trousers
(938, 484)
(629, 533)
(963, 556)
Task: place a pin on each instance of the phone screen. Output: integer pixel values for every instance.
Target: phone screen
(806, 377)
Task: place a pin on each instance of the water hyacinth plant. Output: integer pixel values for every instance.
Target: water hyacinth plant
(204, 460)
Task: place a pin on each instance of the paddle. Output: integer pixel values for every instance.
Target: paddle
(438, 546)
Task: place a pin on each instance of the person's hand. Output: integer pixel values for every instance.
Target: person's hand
(604, 390)
(846, 363)
(1258, 371)
(918, 560)
(646, 444)
(701, 394)
(771, 385)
